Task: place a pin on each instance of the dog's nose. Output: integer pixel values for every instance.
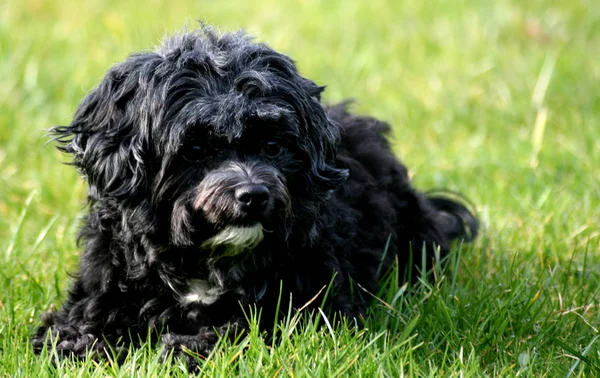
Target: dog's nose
(252, 197)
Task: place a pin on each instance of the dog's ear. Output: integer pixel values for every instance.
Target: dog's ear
(109, 134)
(324, 135)
(325, 144)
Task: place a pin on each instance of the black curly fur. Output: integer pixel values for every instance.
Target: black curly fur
(165, 141)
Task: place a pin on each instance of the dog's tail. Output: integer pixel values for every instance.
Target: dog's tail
(458, 221)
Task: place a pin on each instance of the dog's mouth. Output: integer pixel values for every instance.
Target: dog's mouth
(233, 240)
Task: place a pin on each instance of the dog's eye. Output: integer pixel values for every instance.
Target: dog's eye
(272, 148)
(194, 153)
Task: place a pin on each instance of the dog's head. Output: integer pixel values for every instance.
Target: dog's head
(208, 141)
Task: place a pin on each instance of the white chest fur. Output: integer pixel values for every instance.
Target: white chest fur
(204, 292)
(236, 240)
(201, 291)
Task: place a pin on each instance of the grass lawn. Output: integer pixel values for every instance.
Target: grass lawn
(496, 99)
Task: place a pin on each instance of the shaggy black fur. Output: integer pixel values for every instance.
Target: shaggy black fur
(217, 177)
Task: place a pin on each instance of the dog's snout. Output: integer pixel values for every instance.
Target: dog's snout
(252, 197)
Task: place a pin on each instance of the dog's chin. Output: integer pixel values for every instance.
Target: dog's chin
(233, 240)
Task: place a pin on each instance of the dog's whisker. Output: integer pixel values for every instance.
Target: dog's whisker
(267, 230)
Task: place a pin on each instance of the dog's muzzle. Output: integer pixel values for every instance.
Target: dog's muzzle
(239, 198)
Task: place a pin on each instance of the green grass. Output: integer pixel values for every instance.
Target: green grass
(496, 99)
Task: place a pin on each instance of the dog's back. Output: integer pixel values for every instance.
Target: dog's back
(390, 212)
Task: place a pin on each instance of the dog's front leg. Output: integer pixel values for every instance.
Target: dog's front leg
(87, 325)
(200, 345)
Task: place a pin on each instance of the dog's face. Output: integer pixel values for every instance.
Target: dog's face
(207, 142)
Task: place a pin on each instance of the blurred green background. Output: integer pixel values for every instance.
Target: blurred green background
(496, 99)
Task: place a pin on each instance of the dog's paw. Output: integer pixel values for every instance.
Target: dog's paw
(190, 347)
(67, 342)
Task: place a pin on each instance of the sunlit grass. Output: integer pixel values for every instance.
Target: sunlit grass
(498, 100)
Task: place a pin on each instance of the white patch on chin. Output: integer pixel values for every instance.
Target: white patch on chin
(236, 238)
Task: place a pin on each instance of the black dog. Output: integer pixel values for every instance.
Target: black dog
(218, 181)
